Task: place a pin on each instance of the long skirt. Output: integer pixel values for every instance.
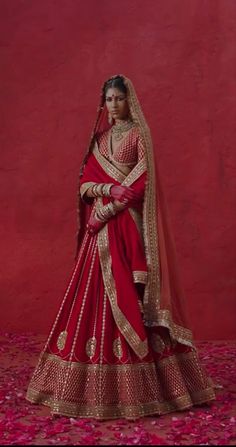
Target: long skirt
(88, 369)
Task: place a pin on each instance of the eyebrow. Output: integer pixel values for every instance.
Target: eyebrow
(116, 96)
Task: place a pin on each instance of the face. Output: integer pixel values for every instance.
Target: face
(117, 104)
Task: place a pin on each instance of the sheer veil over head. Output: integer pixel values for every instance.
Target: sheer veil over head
(164, 301)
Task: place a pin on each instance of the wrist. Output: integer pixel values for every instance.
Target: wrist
(106, 189)
(102, 189)
(119, 205)
(106, 212)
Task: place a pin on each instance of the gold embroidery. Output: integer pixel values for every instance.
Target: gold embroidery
(61, 341)
(67, 291)
(139, 346)
(95, 323)
(127, 149)
(177, 332)
(111, 170)
(79, 318)
(91, 347)
(136, 172)
(152, 304)
(130, 390)
(62, 337)
(140, 276)
(152, 290)
(114, 172)
(117, 348)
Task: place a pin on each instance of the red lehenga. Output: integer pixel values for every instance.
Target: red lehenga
(114, 351)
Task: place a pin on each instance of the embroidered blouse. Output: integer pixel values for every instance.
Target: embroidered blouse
(129, 152)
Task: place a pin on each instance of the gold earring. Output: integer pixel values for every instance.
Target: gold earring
(110, 119)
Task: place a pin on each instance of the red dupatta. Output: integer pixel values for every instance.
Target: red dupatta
(163, 297)
(116, 271)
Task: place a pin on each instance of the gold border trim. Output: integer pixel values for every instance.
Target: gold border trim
(177, 332)
(111, 170)
(140, 276)
(152, 294)
(140, 347)
(138, 170)
(154, 372)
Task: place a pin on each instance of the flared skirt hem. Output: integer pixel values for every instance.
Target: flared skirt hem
(130, 412)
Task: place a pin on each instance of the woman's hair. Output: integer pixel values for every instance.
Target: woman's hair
(114, 82)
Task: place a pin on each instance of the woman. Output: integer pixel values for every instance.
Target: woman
(120, 345)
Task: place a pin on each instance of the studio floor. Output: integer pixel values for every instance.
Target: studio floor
(22, 423)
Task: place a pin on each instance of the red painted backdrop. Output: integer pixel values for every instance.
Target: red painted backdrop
(55, 56)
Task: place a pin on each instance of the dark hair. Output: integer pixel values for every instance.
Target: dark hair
(114, 82)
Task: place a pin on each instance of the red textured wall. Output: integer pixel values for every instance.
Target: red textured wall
(55, 56)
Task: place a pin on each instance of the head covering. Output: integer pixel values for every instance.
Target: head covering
(164, 300)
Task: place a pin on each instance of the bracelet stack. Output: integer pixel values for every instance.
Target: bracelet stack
(101, 189)
(103, 214)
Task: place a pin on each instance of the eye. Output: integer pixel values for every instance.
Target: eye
(121, 98)
(108, 99)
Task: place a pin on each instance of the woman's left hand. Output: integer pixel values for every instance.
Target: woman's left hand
(94, 225)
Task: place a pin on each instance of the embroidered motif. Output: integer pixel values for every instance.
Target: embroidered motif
(117, 348)
(91, 347)
(139, 346)
(61, 341)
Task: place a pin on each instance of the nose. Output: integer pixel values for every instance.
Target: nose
(114, 106)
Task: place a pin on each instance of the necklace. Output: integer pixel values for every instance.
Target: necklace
(118, 129)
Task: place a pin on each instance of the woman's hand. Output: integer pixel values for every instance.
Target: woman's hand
(94, 225)
(124, 194)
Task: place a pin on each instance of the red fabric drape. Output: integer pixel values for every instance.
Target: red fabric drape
(126, 249)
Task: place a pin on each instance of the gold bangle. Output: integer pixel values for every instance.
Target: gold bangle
(99, 217)
(99, 188)
(111, 207)
(94, 190)
(107, 189)
(108, 210)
